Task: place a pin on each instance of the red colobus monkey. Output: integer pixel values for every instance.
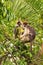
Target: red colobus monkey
(27, 35)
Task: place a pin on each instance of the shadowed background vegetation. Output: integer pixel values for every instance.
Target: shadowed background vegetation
(13, 52)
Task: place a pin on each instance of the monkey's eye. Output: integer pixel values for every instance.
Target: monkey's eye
(22, 33)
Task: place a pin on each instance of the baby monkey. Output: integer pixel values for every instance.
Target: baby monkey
(24, 32)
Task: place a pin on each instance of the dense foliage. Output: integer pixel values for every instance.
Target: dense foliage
(13, 52)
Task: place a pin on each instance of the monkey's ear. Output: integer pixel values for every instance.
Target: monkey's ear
(19, 23)
(25, 24)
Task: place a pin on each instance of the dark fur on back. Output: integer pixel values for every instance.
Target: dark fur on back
(32, 33)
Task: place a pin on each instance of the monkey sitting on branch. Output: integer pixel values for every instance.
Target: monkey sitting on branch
(24, 32)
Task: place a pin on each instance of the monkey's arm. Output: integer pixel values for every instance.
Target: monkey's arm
(15, 32)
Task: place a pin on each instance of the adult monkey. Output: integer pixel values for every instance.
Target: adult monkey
(26, 35)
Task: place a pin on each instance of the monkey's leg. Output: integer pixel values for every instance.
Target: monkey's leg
(31, 47)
